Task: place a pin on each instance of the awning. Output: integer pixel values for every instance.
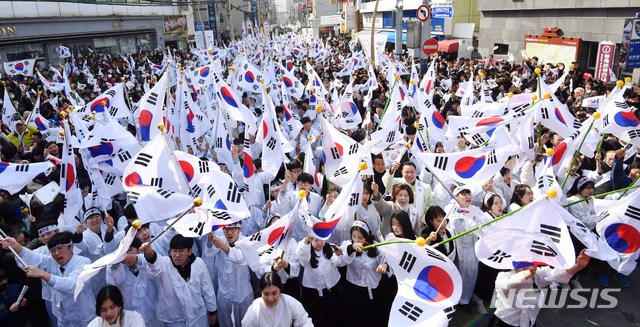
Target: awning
(392, 37)
(448, 46)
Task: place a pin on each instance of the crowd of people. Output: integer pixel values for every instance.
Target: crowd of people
(182, 281)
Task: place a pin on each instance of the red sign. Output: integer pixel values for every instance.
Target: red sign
(423, 13)
(430, 46)
(604, 61)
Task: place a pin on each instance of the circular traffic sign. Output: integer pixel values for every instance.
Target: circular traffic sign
(430, 46)
(423, 13)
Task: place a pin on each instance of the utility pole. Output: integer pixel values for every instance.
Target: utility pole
(399, 14)
(204, 35)
(425, 33)
(230, 20)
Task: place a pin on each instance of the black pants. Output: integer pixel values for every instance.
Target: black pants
(323, 310)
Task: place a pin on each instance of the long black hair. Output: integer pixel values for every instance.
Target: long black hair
(112, 293)
(518, 192)
(327, 251)
(270, 279)
(373, 252)
(405, 222)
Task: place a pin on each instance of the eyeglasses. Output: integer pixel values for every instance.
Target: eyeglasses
(230, 229)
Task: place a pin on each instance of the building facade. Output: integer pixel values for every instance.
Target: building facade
(34, 29)
(509, 26)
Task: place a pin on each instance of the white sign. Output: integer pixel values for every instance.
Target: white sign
(200, 41)
(379, 38)
(350, 17)
(330, 20)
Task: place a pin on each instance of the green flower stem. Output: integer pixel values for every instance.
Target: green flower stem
(576, 154)
(601, 195)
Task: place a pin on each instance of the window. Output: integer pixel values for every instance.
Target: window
(500, 49)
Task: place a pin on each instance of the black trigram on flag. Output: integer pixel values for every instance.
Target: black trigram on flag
(632, 212)
(491, 157)
(341, 171)
(267, 251)
(605, 121)
(353, 148)
(577, 124)
(434, 255)
(634, 133)
(233, 195)
(133, 197)
(165, 193)
(25, 168)
(271, 144)
(124, 156)
(391, 136)
(153, 98)
(621, 105)
(335, 154)
(477, 114)
(211, 190)
(354, 199)
(441, 162)
(113, 111)
(198, 229)
(407, 261)
(156, 181)
(498, 256)
(545, 113)
(204, 166)
(477, 139)
(603, 215)
(411, 311)
(463, 130)
(256, 237)
(542, 249)
(449, 312)
(143, 159)
(196, 190)
(530, 141)
(553, 232)
(582, 226)
(220, 215)
(219, 142)
(110, 179)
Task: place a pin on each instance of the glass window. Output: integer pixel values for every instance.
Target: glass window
(106, 45)
(28, 51)
(127, 44)
(500, 49)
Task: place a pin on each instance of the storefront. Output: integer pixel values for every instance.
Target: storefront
(39, 38)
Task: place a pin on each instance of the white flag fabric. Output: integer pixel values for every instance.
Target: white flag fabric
(53, 86)
(270, 135)
(195, 169)
(345, 206)
(154, 166)
(69, 180)
(249, 76)
(8, 111)
(110, 259)
(555, 115)
(471, 167)
(335, 147)
(428, 283)
(155, 204)
(511, 249)
(347, 115)
(619, 224)
(619, 119)
(13, 177)
(21, 67)
(221, 194)
(64, 52)
(268, 241)
(149, 114)
(111, 101)
(539, 217)
(229, 99)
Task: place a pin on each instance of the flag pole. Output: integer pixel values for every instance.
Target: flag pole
(2, 237)
(196, 203)
(604, 194)
(595, 116)
(175, 161)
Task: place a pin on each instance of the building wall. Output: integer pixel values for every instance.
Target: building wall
(507, 22)
(466, 12)
(33, 9)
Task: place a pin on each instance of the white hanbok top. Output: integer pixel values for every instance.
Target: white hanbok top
(131, 319)
(288, 312)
